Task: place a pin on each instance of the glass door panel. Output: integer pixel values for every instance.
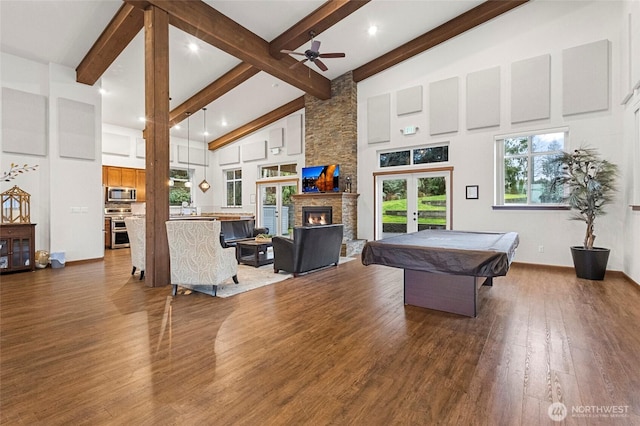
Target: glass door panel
(275, 209)
(392, 202)
(412, 202)
(432, 202)
(287, 217)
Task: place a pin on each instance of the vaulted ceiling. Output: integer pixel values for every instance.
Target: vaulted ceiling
(237, 72)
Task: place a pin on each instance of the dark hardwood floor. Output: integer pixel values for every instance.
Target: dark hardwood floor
(90, 344)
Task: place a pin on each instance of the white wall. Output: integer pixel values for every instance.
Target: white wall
(62, 205)
(630, 77)
(533, 29)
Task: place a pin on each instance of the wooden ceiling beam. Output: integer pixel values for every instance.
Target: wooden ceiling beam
(319, 20)
(456, 26)
(202, 21)
(125, 25)
(327, 15)
(213, 91)
(258, 123)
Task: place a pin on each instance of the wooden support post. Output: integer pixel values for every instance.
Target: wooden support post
(156, 33)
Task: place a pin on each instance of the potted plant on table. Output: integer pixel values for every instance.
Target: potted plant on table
(589, 183)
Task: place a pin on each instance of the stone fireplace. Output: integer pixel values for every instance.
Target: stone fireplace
(331, 137)
(343, 206)
(317, 215)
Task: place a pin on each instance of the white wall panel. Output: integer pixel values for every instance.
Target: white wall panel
(443, 106)
(483, 98)
(116, 144)
(276, 138)
(409, 100)
(293, 135)
(531, 89)
(229, 155)
(24, 122)
(379, 118)
(254, 151)
(585, 78)
(76, 129)
(192, 155)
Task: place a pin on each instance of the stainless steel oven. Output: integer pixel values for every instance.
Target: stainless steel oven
(119, 236)
(116, 213)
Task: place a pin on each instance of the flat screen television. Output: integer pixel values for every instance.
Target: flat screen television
(321, 178)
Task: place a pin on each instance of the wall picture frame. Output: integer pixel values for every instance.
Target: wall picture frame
(472, 192)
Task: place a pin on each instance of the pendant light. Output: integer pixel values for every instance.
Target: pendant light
(204, 185)
(187, 184)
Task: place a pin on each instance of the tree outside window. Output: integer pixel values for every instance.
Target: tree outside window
(234, 187)
(178, 192)
(528, 170)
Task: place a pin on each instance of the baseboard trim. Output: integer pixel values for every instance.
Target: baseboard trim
(80, 262)
(617, 274)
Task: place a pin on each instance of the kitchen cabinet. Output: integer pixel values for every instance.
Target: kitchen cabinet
(119, 176)
(17, 247)
(141, 182)
(128, 177)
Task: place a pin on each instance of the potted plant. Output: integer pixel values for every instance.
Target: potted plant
(589, 183)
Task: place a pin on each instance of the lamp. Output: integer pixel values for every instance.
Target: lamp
(204, 185)
(187, 184)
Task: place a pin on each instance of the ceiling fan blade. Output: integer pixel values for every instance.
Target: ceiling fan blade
(315, 46)
(331, 55)
(291, 52)
(320, 65)
(298, 63)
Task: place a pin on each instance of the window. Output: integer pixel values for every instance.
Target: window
(233, 180)
(278, 170)
(525, 170)
(407, 157)
(178, 192)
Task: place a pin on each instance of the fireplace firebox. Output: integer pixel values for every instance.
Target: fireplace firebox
(316, 215)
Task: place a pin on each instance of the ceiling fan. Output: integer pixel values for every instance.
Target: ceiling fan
(313, 54)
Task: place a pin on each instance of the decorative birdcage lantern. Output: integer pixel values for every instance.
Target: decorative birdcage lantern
(16, 206)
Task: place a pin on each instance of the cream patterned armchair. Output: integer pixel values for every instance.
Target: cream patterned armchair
(137, 237)
(196, 257)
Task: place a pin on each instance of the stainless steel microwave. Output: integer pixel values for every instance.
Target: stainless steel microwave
(120, 194)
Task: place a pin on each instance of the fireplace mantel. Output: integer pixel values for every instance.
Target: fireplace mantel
(344, 207)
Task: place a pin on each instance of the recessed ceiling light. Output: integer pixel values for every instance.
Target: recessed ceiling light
(373, 30)
(177, 127)
(206, 133)
(143, 119)
(102, 91)
(193, 47)
(223, 123)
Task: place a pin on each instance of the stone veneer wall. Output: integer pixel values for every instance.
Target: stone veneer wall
(344, 209)
(331, 129)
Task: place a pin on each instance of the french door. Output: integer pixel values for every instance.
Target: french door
(410, 202)
(275, 206)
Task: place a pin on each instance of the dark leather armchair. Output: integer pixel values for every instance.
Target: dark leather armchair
(312, 247)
